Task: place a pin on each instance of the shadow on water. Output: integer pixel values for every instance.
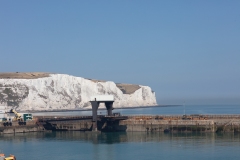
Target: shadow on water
(118, 137)
(111, 126)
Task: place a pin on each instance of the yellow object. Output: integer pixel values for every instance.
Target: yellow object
(11, 157)
(17, 117)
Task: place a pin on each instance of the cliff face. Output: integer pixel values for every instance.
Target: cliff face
(59, 91)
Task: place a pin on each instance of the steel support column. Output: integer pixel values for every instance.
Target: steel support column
(109, 106)
(95, 106)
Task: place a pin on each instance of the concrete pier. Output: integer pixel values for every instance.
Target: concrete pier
(207, 123)
(118, 123)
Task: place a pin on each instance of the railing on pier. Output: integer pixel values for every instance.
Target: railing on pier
(61, 118)
(139, 117)
(189, 117)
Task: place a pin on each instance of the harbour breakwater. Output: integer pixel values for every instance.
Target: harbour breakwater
(160, 123)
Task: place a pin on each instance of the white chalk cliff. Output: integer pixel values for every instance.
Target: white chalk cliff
(63, 92)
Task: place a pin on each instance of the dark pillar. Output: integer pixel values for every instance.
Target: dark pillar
(109, 106)
(95, 105)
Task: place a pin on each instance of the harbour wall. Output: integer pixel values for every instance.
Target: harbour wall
(206, 123)
(16, 127)
(175, 124)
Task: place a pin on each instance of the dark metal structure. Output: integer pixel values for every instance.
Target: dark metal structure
(95, 105)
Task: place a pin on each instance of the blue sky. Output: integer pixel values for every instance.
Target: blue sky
(184, 50)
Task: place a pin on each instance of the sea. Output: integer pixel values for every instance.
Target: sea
(76, 145)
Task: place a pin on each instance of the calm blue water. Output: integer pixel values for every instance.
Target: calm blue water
(132, 145)
(168, 110)
(110, 146)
